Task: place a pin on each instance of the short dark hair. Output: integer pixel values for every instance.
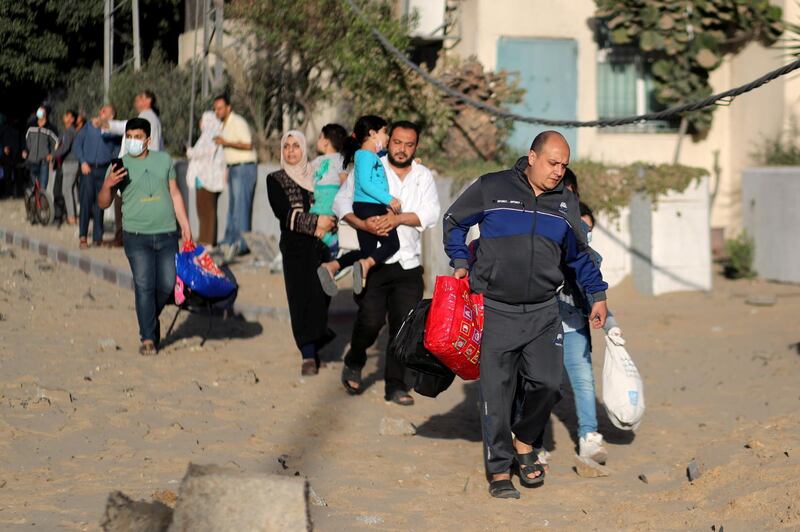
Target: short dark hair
(72, 113)
(153, 103)
(336, 134)
(586, 211)
(361, 130)
(405, 124)
(224, 98)
(138, 123)
(541, 139)
(571, 180)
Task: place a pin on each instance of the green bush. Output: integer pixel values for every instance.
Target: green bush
(740, 251)
(781, 149)
(606, 188)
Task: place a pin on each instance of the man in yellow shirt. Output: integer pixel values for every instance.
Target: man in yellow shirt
(240, 158)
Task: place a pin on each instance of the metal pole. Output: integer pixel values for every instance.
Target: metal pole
(206, 10)
(194, 72)
(218, 20)
(137, 43)
(108, 45)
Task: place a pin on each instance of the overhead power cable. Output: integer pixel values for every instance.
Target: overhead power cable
(671, 112)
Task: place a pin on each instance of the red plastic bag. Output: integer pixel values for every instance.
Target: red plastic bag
(455, 325)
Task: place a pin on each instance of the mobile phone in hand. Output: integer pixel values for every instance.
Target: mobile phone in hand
(116, 164)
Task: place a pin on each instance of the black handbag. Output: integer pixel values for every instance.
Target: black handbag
(432, 377)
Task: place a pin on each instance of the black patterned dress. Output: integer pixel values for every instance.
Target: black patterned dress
(302, 254)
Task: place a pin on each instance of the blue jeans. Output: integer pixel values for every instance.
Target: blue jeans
(40, 172)
(89, 189)
(241, 188)
(578, 363)
(152, 260)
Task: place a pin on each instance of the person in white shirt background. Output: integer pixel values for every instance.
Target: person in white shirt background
(396, 286)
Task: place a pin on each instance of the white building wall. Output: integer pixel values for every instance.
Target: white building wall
(734, 128)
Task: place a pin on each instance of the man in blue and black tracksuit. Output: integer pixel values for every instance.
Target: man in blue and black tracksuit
(530, 226)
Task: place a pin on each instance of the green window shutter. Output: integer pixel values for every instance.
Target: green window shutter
(616, 88)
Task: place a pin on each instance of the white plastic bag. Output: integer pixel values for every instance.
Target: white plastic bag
(623, 390)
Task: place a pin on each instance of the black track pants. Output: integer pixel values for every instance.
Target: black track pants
(518, 340)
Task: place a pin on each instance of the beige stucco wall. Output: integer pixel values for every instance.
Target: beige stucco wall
(734, 130)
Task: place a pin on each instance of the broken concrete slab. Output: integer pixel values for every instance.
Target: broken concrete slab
(126, 515)
(214, 498)
(107, 344)
(588, 468)
(656, 475)
(695, 469)
(391, 426)
(54, 395)
(761, 300)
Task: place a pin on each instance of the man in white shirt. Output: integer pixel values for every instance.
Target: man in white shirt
(240, 157)
(394, 287)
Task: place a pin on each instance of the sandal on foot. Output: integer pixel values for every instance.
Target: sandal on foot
(503, 489)
(351, 374)
(309, 367)
(327, 281)
(83, 244)
(147, 349)
(400, 397)
(529, 463)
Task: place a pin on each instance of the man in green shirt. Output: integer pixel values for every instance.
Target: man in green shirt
(152, 209)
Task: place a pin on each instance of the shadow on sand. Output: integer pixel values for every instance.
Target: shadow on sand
(213, 327)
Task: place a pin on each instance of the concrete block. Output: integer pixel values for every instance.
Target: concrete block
(770, 216)
(126, 515)
(215, 499)
(671, 241)
(391, 426)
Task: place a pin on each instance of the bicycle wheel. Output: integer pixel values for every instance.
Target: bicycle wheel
(45, 212)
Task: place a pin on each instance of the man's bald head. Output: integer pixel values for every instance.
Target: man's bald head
(547, 161)
(543, 138)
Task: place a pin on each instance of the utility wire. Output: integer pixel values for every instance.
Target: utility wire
(671, 112)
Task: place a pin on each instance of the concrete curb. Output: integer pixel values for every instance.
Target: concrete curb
(118, 276)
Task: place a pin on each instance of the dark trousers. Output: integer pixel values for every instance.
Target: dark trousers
(367, 242)
(40, 172)
(90, 188)
(524, 342)
(152, 260)
(392, 290)
(207, 214)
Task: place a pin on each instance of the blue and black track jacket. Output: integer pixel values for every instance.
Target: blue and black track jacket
(524, 239)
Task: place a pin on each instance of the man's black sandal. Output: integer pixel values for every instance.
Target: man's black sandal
(528, 464)
(400, 397)
(503, 489)
(351, 374)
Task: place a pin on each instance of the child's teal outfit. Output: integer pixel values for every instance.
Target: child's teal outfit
(326, 184)
(371, 185)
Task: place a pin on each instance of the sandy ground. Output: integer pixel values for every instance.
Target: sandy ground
(77, 422)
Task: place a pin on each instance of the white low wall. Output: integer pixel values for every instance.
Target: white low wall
(671, 241)
(771, 217)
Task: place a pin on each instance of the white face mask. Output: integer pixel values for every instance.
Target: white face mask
(40, 113)
(588, 237)
(135, 147)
